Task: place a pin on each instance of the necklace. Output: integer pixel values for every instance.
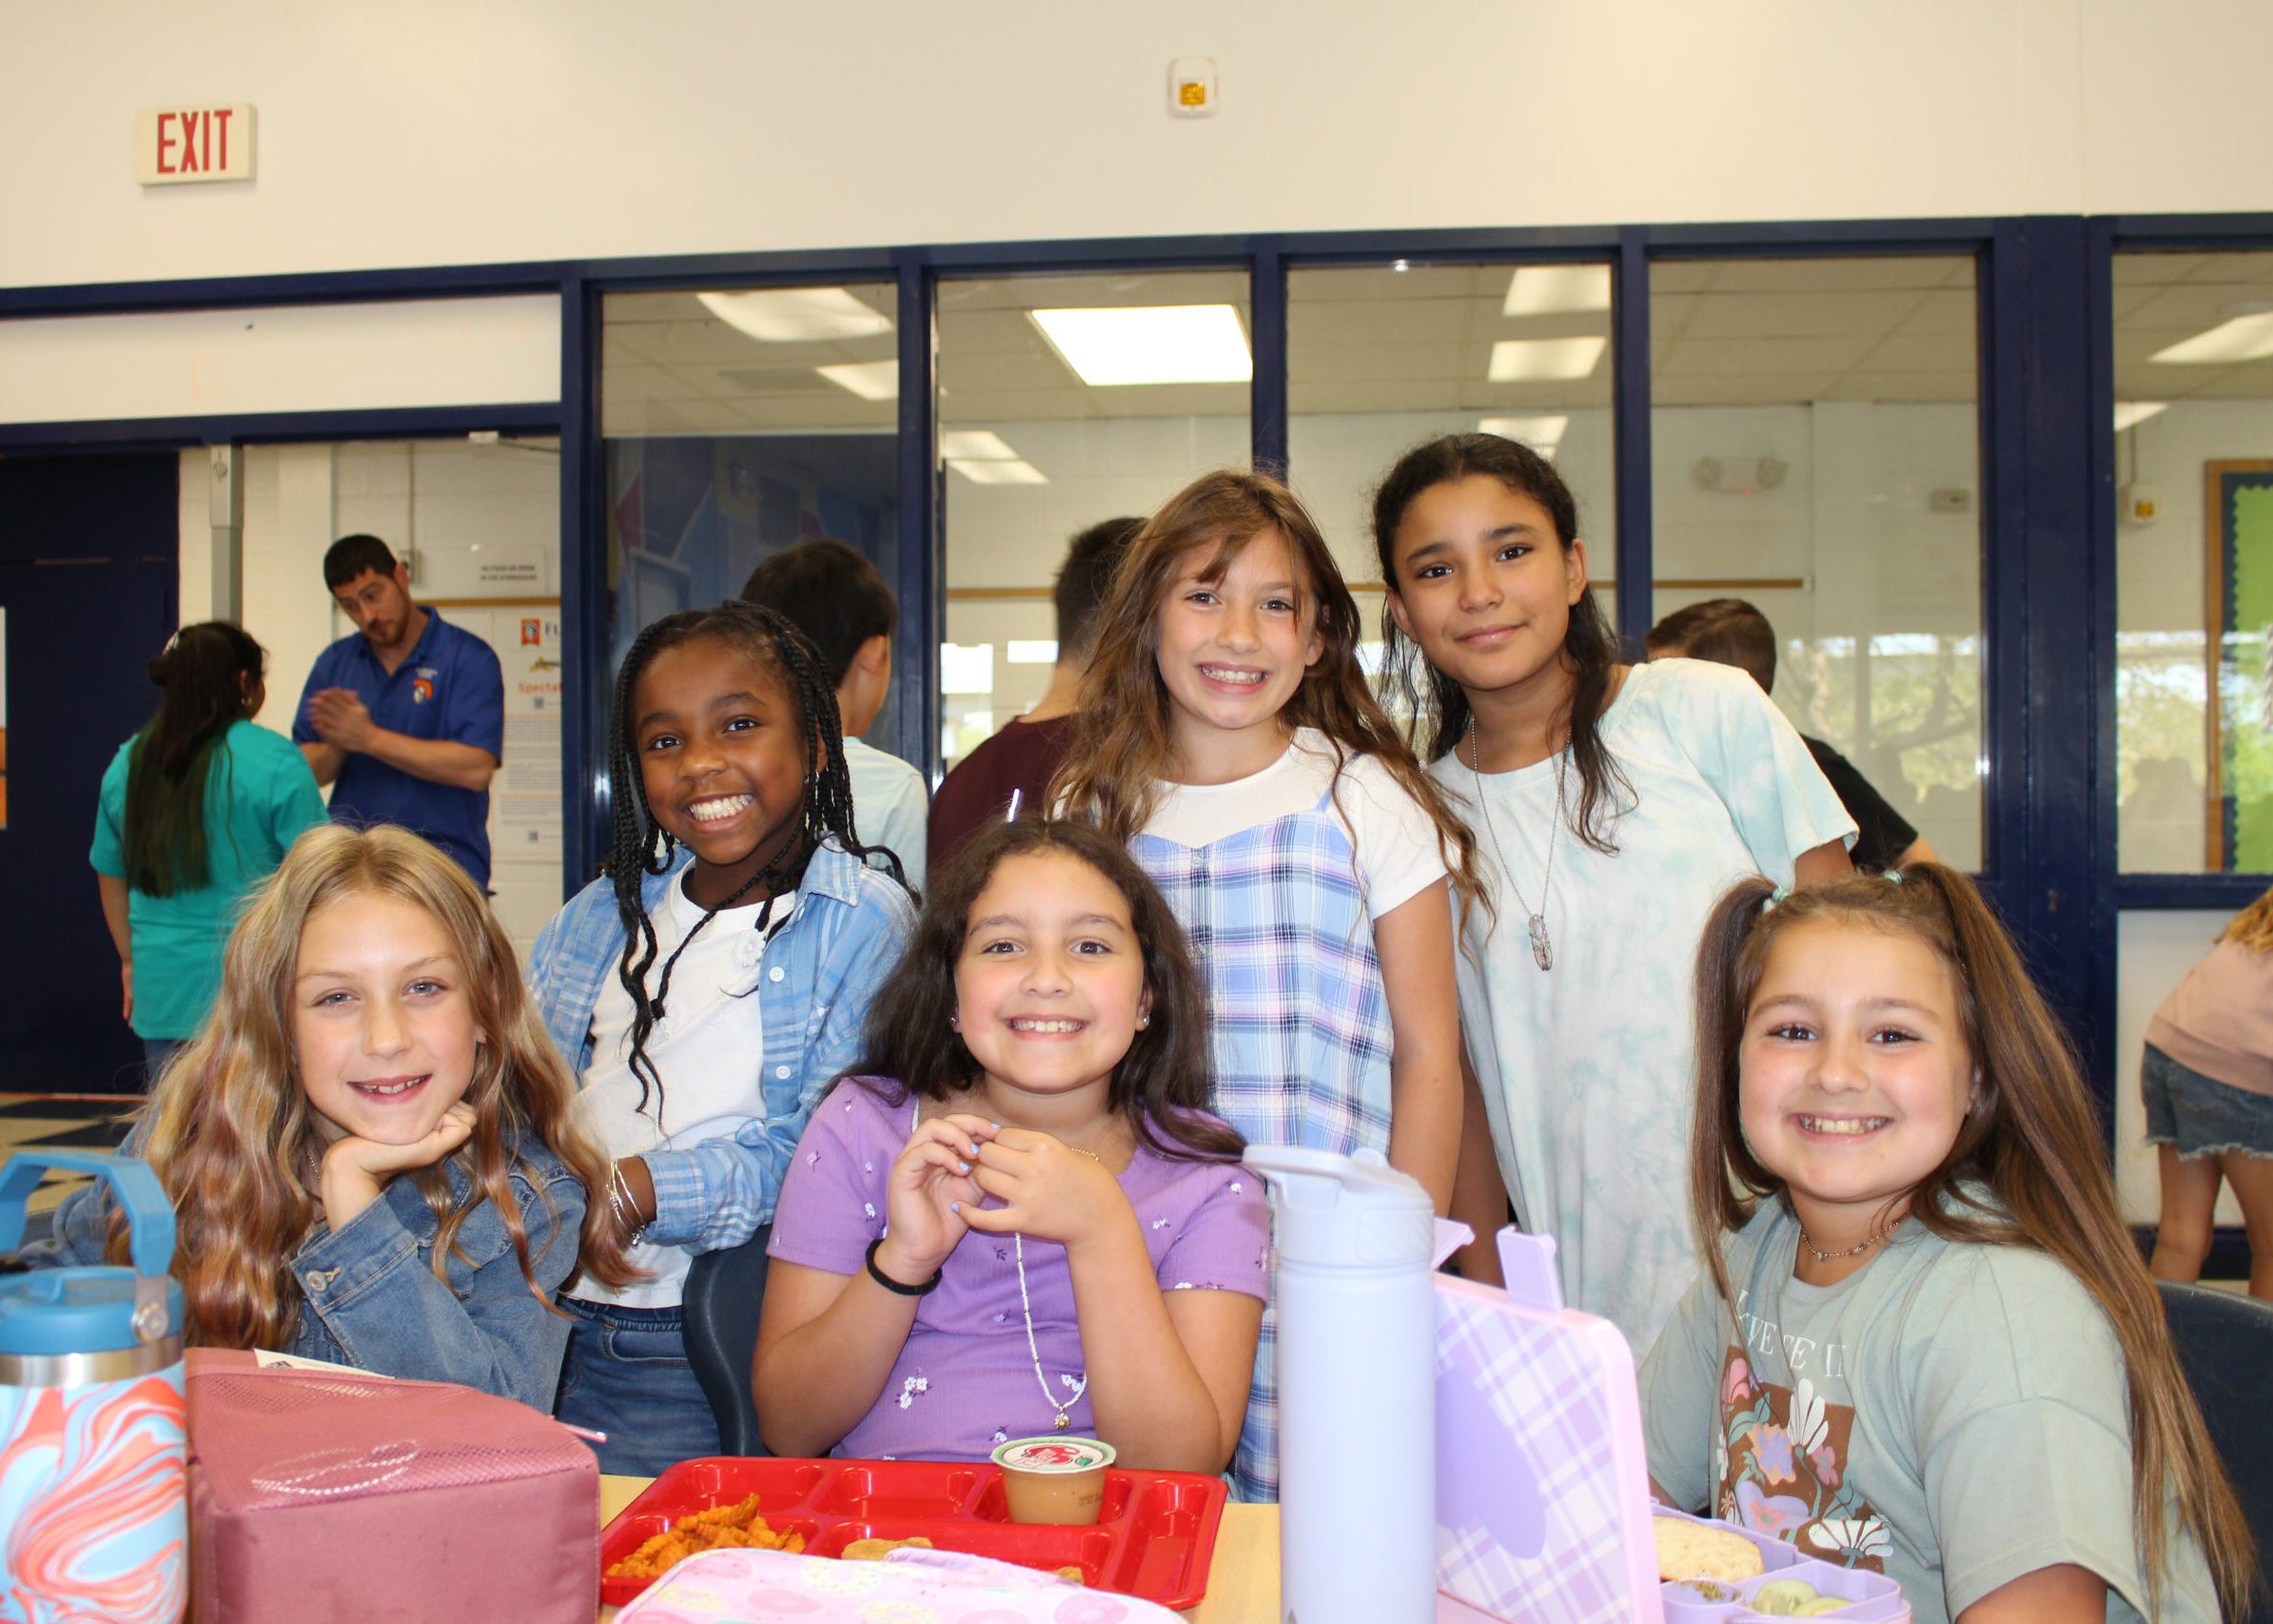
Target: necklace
(1541, 949)
(1060, 1420)
(1877, 1237)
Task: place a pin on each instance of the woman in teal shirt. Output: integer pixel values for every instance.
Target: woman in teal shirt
(196, 810)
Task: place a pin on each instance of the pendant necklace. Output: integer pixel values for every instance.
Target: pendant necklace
(1541, 949)
(1060, 1420)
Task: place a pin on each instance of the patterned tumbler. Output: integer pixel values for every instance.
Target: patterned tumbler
(93, 1457)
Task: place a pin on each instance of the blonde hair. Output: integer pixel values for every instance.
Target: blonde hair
(2253, 926)
(1123, 738)
(2034, 1139)
(234, 1139)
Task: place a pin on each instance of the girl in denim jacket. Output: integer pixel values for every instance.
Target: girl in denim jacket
(707, 990)
(368, 1144)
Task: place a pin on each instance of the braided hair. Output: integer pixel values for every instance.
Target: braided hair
(642, 846)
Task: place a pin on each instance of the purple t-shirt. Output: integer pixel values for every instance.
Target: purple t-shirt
(966, 1379)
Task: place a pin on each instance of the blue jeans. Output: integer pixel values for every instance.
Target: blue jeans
(627, 1375)
(156, 1052)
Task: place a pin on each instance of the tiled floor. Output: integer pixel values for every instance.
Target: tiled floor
(82, 1121)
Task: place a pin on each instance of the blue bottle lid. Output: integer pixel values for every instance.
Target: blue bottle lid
(79, 1311)
(100, 1308)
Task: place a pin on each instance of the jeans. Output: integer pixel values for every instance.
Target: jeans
(627, 1375)
(157, 1053)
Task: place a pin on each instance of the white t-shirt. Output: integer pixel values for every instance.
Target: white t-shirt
(705, 1050)
(890, 806)
(1588, 1069)
(1395, 838)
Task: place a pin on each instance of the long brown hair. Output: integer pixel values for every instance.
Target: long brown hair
(2033, 1139)
(1438, 705)
(206, 671)
(1161, 1087)
(232, 1134)
(1123, 744)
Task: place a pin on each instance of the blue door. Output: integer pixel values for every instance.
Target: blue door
(89, 565)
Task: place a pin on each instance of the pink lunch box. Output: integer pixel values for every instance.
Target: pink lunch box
(340, 1495)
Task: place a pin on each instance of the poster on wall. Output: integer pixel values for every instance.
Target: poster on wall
(526, 824)
(2238, 502)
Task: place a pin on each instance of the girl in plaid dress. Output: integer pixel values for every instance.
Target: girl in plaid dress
(1227, 734)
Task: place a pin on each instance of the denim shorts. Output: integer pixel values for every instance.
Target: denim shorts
(2200, 1115)
(627, 1375)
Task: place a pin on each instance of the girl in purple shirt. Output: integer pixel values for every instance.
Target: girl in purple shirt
(1025, 1222)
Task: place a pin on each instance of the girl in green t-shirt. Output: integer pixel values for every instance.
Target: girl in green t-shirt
(1925, 1344)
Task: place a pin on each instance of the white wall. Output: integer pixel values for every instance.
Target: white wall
(432, 132)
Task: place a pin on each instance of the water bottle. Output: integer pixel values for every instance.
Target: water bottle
(1356, 1387)
(93, 1456)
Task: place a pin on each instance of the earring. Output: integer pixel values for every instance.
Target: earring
(954, 1023)
(1144, 1021)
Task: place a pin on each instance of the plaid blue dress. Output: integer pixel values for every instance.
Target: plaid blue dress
(1300, 1022)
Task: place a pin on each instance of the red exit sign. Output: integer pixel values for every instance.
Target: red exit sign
(183, 146)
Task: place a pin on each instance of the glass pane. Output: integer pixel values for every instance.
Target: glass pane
(2194, 562)
(1816, 439)
(1064, 400)
(736, 422)
(1381, 357)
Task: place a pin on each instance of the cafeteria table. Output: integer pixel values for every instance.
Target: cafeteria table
(1242, 1582)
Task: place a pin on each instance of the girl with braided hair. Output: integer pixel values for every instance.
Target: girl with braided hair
(708, 988)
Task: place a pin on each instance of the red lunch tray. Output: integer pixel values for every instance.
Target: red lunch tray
(1154, 1538)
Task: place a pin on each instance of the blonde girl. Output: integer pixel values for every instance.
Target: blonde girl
(1226, 734)
(1923, 1342)
(367, 1143)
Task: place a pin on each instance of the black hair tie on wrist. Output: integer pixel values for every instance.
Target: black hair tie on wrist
(894, 1286)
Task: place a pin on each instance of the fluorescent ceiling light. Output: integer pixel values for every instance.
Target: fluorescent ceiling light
(2130, 414)
(2243, 337)
(1540, 433)
(869, 380)
(796, 315)
(1016, 472)
(1157, 344)
(975, 445)
(1528, 360)
(1549, 290)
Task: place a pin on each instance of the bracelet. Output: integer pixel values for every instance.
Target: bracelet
(894, 1286)
(625, 1205)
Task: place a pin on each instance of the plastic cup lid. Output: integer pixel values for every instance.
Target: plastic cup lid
(1053, 1453)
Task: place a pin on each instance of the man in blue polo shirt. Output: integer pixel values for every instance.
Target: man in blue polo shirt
(406, 719)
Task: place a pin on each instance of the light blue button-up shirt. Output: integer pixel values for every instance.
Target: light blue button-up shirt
(822, 972)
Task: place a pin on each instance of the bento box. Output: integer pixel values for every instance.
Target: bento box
(1154, 1537)
(1543, 1507)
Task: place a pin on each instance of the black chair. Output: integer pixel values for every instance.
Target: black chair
(723, 1291)
(2226, 1342)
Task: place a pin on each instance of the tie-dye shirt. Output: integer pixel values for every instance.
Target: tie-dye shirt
(1588, 1068)
(1953, 1415)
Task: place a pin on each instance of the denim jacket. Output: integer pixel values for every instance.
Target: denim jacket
(822, 972)
(369, 1297)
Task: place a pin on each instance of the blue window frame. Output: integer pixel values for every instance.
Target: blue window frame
(2046, 462)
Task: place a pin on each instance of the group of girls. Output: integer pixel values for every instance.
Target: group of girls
(1001, 1164)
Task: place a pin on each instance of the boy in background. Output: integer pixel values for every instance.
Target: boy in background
(1729, 631)
(1026, 753)
(841, 603)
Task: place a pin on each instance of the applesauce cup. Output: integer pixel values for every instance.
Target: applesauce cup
(1054, 1478)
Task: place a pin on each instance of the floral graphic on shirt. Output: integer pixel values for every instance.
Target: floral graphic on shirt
(1779, 1460)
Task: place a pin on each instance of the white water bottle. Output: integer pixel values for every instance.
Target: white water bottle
(1355, 1301)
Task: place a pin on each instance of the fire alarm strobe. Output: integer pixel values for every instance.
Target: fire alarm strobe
(1191, 86)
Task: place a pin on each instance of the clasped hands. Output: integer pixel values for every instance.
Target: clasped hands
(340, 717)
(953, 1167)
